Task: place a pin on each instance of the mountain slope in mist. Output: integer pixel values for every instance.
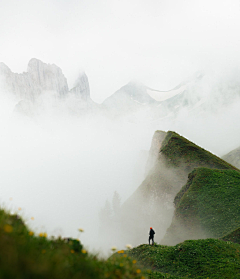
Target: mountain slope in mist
(201, 93)
(206, 207)
(233, 157)
(152, 203)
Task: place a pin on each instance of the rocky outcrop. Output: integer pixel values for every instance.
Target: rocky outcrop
(156, 145)
(45, 87)
(40, 77)
(81, 90)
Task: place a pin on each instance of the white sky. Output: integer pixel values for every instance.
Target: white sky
(158, 42)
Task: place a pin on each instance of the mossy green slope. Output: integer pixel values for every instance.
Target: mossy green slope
(25, 256)
(179, 150)
(203, 258)
(233, 236)
(207, 206)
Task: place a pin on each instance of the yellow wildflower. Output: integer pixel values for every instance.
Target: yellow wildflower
(81, 230)
(121, 252)
(138, 271)
(8, 228)
(30, 233)
(125, 255)
(134, 261)
(32, 218)
(72, 251)
(84, 251)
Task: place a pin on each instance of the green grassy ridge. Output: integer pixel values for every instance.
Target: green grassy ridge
(178, 150)
(203, 258)
(208, 206)
(24, 255)
(151, 203)
(233, 236)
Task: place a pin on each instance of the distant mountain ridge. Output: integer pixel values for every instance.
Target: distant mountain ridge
(134, 101)
(45, 81)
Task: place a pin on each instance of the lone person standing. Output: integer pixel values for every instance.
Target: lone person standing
(151, 235)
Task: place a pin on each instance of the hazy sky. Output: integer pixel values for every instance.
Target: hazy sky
(158, 42)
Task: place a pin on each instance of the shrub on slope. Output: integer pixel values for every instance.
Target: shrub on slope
(207, 206)
(204, 258)
(25, 256)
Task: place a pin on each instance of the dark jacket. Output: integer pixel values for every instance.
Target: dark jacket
(151, 233)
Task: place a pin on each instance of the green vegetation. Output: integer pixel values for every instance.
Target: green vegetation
(207, 206)
(174, 157)
(203, 258)
(178, 150)
(24, 255)
(233, 236)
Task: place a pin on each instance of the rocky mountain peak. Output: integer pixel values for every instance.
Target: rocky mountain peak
(4, 69)
(81, 89)
(40, 77)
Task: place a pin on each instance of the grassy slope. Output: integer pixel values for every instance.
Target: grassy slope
(207, 206)
(204, 258)
(25, 256)
(150, 204)
(179, 150)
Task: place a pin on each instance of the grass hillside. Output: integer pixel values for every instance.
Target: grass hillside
(24, 255)
(178, 150)
(233, 236)
(207, 206)
(151, 205)
(203, 258)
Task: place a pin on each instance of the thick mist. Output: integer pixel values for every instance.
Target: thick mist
(60, 168)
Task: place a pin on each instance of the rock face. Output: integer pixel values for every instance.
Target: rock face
(44, 86)
(156, 145)
(81, 89)
(39, 77)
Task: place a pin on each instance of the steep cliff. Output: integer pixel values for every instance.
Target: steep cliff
(39, 78)
(45, 87)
